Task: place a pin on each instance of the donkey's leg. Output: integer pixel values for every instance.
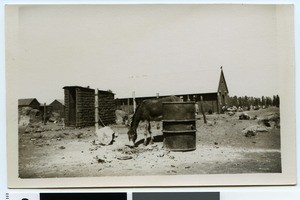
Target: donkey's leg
(151, 136)
(145, 133)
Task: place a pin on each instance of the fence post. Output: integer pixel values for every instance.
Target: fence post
(128, 106)
(134, 103)
(201, 105)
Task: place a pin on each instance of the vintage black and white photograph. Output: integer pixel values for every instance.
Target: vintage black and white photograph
(174, 90)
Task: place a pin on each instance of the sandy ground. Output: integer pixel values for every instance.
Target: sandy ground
(221, 148)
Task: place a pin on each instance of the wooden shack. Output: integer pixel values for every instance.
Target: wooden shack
(58, 106)
(31, 102)
(80, 106)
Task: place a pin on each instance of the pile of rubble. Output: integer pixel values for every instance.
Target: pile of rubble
(263, 124)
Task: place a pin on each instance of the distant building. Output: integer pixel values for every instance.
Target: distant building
(213, 90)
(80, 106)
(31, 102)
(58, 106)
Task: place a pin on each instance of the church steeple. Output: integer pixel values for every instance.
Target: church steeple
(222, 82)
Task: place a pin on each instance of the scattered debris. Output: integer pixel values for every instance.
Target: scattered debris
(93, 149)
(66, 133)
(265, 122)
(252, 130)
(172, 171)
(240, 109)
(244, 116)
(250, 133)
(124, 157)
(151, 153)
(79, 135)
(160, 155)
(39, 130)
(28, 130)
(37, 135)
(99, 160)
(96, 142)
(149, 147)
(210, 123)
(231, 113)
(171, 157)
(274, 117)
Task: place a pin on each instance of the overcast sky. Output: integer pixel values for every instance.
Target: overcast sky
(148, 49)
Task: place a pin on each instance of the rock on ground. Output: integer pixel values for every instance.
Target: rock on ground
(254, 129)
(244, 116)
(105, 135)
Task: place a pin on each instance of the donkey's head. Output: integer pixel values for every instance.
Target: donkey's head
(132, 136)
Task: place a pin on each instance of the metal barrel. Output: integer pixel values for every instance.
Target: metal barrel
(179, 126)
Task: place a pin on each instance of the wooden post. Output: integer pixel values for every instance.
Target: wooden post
(45, 113)
(134, 103)
(96, 110)
(128, 105)
(201, 106)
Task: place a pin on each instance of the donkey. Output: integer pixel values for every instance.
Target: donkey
(148, 110)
